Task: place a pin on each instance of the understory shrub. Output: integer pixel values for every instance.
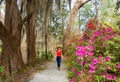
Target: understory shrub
(41, 55)
(98, 59)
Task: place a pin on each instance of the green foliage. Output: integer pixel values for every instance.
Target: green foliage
(86, 13)
(1, 69)
(117, 5)
(113, 48)
(99, 78)
(70, 51)
(118, 80)
(70, 62)
(0, 50)
(41, 55)
(50, 55)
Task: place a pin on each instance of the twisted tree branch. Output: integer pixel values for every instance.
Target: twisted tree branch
(78, 4)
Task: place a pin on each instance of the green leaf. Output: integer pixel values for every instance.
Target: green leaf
(1, 69)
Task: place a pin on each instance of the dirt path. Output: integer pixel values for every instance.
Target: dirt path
(51, 74)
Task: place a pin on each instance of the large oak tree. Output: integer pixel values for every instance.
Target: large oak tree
(10, 35)
(31, 51)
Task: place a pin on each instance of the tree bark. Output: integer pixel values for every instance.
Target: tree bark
(62, 9)
(2, 30)
(46, 28)
(96, 9)
(31, 51)
(78, 4)
(11, 57)
(10, 35)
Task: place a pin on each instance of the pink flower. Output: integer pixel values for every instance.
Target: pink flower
(90, 47)
(105, 74)
(73, 79)
(91, 41)
(77, 60)
(110, 29)
(90, 53)
(100, 57)
(91, 71)
(79, 73)
(105, 30)
(96, 33)
(109, 77)
(80, 47)
(107, 58)
(92, 66)
(108, 67)
(74, 69)
(82, 63)
(81, 51)
(95, 61)
(115, 78)
(103, 45)
(91, 77)
(80, 39)
(105, 39)
(110, 37)
(118, 66)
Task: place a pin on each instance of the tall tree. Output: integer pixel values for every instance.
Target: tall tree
(45, 24)
(31, 51)
(78, 4)
(10, 35)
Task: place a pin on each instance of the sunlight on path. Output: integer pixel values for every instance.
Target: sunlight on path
(51, 74)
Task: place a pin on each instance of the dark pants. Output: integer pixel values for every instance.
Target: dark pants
(58, 59)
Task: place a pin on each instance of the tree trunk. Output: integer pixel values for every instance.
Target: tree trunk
(45, 24)
(62, 9)
(31, 51)
(96, 9)
(11, 57)
(78, 4)
(79, 22)
(10, 35)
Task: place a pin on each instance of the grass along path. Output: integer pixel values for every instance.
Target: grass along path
(51, 73)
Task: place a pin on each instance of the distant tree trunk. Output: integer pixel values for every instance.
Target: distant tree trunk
(70, 4)
(10, 35)
(79, 21)
(78, 4)
(31, 51)
(96, 9)
(45, 24)
(62, 8)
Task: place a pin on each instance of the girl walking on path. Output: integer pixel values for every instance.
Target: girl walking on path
(58, 58)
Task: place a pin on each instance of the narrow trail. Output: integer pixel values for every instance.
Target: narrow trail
(51, 73)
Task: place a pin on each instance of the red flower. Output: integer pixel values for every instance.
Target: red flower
(92, 24)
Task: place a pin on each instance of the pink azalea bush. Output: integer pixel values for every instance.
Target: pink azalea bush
(98, 61)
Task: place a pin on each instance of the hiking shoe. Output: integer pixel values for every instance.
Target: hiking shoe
(58, 68)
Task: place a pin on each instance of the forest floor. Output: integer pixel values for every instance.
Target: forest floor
(26, 73)
(51, 73)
